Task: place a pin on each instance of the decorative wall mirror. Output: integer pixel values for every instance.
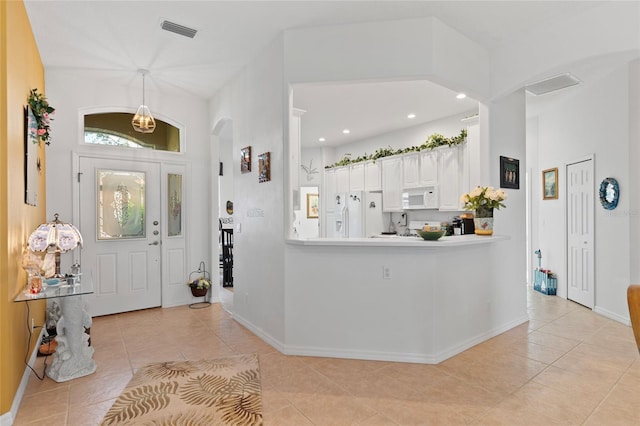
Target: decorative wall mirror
(609, 193)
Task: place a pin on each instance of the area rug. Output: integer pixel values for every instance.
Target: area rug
(222, 391)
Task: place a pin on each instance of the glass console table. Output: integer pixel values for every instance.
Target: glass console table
(73, 357)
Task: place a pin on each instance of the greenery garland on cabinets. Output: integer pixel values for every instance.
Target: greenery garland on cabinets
(433, 141)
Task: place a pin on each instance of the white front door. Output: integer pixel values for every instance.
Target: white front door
(580, 233)
(120, 224)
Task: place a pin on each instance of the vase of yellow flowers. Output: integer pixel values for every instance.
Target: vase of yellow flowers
(483, 200)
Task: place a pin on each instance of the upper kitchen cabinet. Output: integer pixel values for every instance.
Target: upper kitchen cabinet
(428, 168)
(356, 177)
(342, 179)
(372, 176)
(329, 190)
(449, 177)
(391, 184)
(411, 170)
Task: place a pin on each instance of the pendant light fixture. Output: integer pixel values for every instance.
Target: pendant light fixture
(143, 121)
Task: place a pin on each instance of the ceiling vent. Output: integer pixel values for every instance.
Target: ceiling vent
(552, 84)
(178, 29)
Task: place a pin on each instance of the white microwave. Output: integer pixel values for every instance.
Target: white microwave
(420, 198)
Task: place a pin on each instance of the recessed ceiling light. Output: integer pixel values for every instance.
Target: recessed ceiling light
(461, 96)
(411, 116)
(346, 131)
(321, 139)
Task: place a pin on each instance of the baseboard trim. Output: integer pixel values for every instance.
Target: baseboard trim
(355, 354)
(259, 332)
(7, 419)
(612, 315)
(416, 358)
(448, 353)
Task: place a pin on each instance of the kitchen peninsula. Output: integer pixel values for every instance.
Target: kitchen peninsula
(398, 299)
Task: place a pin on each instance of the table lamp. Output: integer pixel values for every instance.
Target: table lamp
(55, 237)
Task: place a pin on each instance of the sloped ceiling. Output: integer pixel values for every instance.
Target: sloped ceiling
(117, 38)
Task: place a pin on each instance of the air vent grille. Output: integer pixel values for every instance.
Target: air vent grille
(552, 84)
(178, 29)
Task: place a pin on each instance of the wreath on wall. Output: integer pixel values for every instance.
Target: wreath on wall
(42, 111)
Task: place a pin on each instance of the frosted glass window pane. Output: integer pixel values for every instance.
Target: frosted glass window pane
(121, 204)
(175, 204)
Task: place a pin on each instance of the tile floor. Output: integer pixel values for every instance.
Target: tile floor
(567, 366)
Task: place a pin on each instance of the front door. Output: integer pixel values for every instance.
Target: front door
(120, 223)
(580, 233)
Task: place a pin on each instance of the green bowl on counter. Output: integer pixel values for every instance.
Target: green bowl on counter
(431, 235)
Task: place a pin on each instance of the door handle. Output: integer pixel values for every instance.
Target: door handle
(155, 243)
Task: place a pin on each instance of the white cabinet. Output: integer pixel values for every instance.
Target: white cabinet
(372, 176)
(356, 177)
(429, 168)
(449, 178)
(329, 190)
(342, 179)
(391, 184)
(411, 170)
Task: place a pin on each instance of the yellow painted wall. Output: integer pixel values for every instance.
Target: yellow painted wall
(20, 70)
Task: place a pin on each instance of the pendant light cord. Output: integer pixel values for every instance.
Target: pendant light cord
(143, 76)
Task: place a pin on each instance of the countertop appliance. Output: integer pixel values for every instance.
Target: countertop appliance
(349, 222)
(467, 226)
(420, 198)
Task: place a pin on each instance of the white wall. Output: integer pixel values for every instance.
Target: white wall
(311, 158)
(634, 170)
(410, 48)
(594, 119)
(71, 91)
(255, 101)
(225, 182)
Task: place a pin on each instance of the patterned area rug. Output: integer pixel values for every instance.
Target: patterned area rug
(223, 391)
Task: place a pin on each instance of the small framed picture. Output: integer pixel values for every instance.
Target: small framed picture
(509, 173)
(245, 159)
(312, 206)
(550, 184)
(264, 167)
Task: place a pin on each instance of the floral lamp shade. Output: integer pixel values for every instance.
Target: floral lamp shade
(55, 236)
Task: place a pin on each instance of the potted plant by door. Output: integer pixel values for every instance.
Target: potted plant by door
(199, 286)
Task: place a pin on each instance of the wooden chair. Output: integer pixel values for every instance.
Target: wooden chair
(633, 299)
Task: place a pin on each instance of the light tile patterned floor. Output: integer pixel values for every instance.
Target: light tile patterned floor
(567, 366)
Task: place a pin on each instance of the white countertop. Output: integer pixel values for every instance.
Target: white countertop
(399, 241)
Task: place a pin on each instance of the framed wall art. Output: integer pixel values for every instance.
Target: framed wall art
(509, 173)
(245, 159)
(264, 167)
(312, 206)
(550, 184)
